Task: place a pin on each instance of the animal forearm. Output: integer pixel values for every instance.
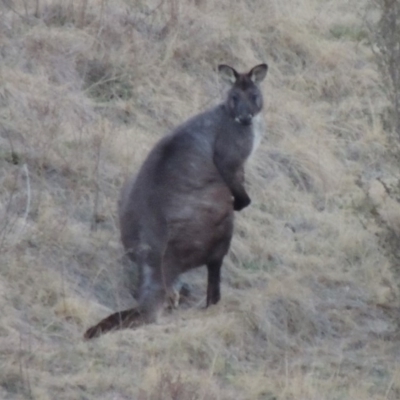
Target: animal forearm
(235, 181)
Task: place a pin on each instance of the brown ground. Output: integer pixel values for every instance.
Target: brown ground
(311, 284)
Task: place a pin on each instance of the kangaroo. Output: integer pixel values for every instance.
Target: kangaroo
(178, 213)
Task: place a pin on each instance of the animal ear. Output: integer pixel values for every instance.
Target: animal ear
(227, 73)
(258, 73)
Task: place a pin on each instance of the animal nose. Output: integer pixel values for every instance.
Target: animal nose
(246, 119)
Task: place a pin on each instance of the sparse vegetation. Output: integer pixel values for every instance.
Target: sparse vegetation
(311, 285)
(386, 37)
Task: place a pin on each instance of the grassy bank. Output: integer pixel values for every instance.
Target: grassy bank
(310, 286)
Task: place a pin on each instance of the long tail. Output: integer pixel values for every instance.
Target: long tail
(120, 320)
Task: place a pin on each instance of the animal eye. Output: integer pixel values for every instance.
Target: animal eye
(255, 97)
(235, 98)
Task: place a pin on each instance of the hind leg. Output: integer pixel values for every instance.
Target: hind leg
(214, 279)
(215, 263)
(152, 293)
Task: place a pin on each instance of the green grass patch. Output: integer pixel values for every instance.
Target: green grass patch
(345, 32)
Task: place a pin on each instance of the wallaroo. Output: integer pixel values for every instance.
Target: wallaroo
(178, 213)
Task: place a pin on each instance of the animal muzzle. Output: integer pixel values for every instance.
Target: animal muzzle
(245, 119)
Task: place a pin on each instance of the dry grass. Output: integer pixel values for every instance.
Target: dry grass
(308, 308)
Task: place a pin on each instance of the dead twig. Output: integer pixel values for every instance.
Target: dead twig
(28, 198)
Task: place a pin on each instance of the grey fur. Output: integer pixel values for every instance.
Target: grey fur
(177, 214)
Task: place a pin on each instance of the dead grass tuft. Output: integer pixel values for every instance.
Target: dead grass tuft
(166, 386)
(310, 286)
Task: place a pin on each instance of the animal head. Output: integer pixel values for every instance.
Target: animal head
(244, 99)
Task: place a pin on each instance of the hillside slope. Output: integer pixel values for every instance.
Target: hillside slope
(309, 291)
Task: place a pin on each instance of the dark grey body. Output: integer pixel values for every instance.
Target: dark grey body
(178, 213)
